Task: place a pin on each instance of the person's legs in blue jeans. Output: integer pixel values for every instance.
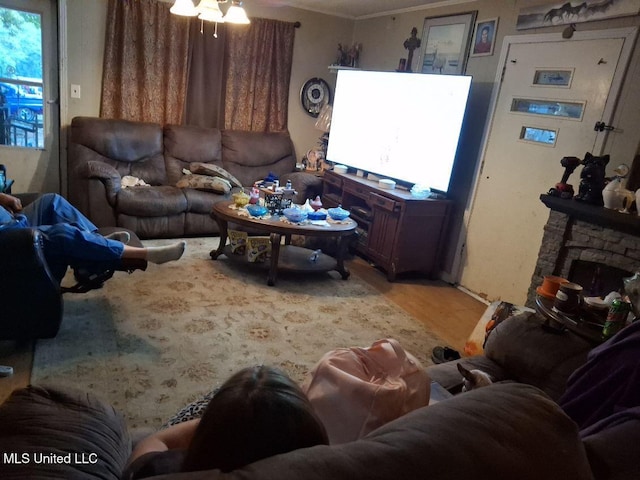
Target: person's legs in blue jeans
(66, 245)
(51, 209)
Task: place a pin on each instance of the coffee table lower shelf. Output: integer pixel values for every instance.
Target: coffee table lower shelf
(292, 259)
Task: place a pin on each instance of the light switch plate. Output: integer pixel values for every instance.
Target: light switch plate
(75, 91)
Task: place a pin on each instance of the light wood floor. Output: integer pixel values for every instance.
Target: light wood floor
(446, 311)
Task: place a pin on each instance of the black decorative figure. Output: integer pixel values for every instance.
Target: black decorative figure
(593, 180)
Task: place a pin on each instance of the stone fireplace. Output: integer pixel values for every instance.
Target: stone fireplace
(590, 245)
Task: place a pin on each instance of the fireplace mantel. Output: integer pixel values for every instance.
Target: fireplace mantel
(579, 233)
(604, 217)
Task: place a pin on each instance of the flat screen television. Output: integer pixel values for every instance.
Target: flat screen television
(401, 126)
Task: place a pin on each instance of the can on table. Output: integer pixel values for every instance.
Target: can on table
(616, 318)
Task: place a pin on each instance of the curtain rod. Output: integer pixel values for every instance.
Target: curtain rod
(297, 25)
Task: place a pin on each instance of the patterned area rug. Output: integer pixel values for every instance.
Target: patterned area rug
(153, 341)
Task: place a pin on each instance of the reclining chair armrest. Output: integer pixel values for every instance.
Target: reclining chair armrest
(20, 249)
(449, 377)
(30, 296)
(536, 355)
(306, 184)
(103, 172)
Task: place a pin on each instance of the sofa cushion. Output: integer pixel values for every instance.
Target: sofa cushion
(88, 436)
(158, 201)
(185, 144)
(118, 140)
(169, 226)
(250, 156)
(205, 182)
(214, 171)
(132, 148)
(200, 201)
(509, 431)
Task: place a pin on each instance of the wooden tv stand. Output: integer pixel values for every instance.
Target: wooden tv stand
(397, 231)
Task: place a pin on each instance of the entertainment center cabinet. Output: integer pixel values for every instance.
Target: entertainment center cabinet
(396, 231)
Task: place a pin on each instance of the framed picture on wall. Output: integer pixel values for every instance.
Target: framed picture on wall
(445, 43)
(564, 13)
(484, 38)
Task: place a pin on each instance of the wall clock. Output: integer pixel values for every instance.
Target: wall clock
(314, 95)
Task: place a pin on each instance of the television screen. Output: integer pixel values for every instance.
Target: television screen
(402, 126)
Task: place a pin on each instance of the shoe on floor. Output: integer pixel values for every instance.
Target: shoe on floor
(444, 354)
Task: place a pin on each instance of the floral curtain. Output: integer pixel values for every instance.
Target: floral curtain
(145, 62)
(258, 60)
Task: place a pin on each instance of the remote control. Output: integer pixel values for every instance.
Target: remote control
(6, 371)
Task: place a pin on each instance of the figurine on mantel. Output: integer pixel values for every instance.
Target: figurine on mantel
(592, 179)
(614, 195)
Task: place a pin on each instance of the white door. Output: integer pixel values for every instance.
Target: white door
(551, 95)
(29, 133)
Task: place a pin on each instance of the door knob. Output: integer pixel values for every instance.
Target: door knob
(601, 127)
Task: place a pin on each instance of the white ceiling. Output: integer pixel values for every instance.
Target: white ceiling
(359, 9)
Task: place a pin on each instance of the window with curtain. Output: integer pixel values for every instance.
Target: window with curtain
(162, 68)
(258, 70)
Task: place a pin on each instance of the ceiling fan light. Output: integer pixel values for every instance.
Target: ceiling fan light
(236, 14)
(210, 11)
(184, 8)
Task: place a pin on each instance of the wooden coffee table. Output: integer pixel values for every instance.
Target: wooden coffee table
(285, 257)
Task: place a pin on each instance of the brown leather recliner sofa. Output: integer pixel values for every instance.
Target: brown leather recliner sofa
(102, 151)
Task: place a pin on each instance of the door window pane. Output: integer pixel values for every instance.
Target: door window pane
(556, 78)
(21, 88)
(539, 135)
(548, 108)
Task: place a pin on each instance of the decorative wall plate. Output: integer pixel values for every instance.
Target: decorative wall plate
(315, 94)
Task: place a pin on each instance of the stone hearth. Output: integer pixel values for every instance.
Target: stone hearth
(580, 233)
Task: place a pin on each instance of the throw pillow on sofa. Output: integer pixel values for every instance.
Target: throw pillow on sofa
(214, 171)
(205, 182)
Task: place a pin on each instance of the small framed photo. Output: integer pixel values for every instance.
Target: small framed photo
(314, 160)
(484, 38)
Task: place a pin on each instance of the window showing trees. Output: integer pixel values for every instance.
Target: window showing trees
(21, 93)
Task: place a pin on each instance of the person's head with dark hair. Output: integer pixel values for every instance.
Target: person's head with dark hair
(257, 413)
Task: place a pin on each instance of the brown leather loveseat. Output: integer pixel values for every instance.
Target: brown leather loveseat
(102, 151)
